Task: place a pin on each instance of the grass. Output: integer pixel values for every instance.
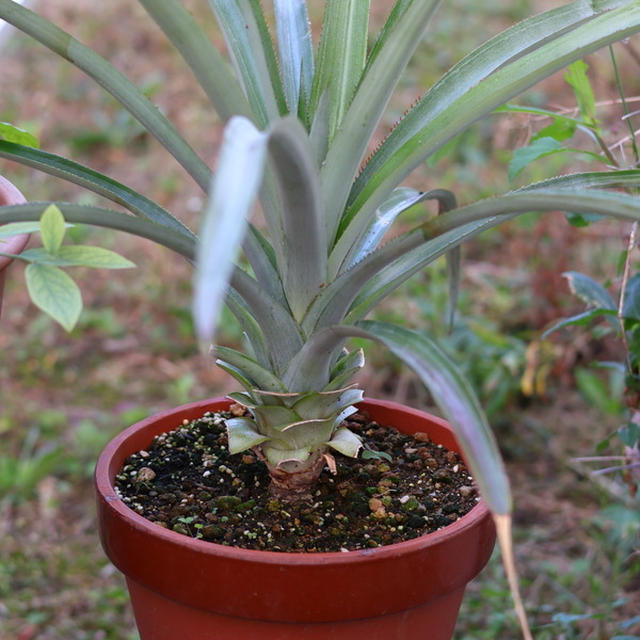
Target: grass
(134, 353)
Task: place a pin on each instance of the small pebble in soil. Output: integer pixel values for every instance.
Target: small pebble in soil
(187, 481)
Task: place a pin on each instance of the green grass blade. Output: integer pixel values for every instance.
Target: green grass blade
(249, 44)
(502, 68)
(94, 181)
(123, 90)
(203, 58)
(341, 57)
(296, 51)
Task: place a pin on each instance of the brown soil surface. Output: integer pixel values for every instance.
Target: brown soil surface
(188, 482)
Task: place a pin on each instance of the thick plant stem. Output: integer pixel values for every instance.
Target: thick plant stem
(296, 485)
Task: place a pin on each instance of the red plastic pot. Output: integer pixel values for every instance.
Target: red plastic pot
(9, 195)
(185, 588)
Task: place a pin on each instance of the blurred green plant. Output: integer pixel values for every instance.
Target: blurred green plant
(21, 473)
(50, 288)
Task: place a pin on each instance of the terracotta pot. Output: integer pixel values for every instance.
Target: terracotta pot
(9, 195)
(186, 588)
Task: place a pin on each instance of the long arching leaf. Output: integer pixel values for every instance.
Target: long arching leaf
(483, 81)
(94, 181)
(301, 213)
(367, 106)
(100, 217)
(233, 192)
(206, 62)
(249, 44)
(124, 91)
(296, 51)
(341, 57)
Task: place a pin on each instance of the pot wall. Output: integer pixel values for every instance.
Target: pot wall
(403, 591)
(9, 195)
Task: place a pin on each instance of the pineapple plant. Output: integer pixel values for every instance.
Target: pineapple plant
(299, 125)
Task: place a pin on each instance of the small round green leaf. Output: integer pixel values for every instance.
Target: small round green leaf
(55, 293)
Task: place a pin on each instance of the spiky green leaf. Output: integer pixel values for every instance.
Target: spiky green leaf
(304, 234)
(296, 51)
(248, 42)
(341, 57)
(206, 62)
(505, 66)
(457, 401)
(94, 181)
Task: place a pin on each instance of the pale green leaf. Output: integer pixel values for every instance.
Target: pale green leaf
(94, 181)
(576, 76)
(206, 62)
(97, 257)
(101, 217)
(233, 192)
(341, 56)
(296, 51)
(259, 376)
(455, 397)
(242, 434)
(55, 293)
(523, 156)
(278, 457)
(346, 442)
(18, 228)
(11, 133)
(248, 42)
(52, 229)
(589, 290)
(359, 124)
(487, 78)
(294, 169)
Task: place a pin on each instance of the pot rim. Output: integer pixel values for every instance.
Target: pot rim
(9, 194)
(104, 485)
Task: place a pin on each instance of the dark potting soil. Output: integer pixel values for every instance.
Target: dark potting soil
(187, 481)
